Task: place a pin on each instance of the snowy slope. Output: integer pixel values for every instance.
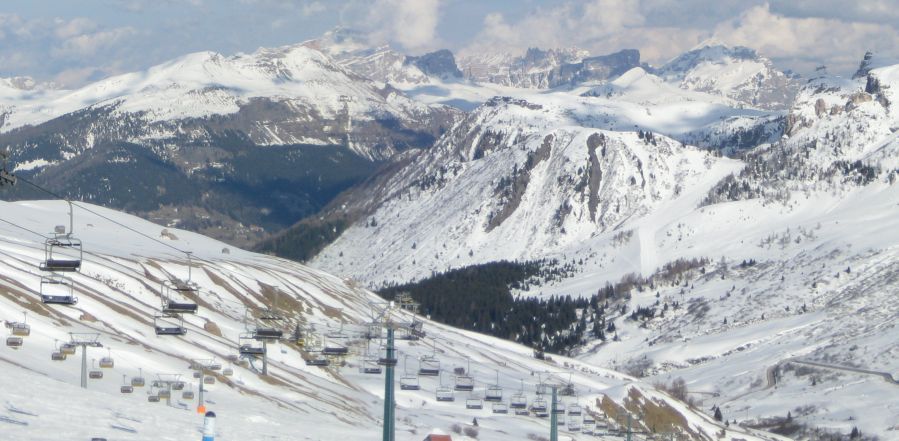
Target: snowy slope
(738, 73)
(801, 240)
(516, 180)
(117, 292)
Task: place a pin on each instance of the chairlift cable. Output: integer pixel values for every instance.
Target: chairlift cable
(57, 196)
(23, 228)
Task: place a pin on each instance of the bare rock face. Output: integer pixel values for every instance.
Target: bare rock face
(441, 64)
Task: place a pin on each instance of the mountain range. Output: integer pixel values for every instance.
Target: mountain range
(743, 215)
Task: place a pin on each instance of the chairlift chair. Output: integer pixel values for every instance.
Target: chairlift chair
(464, 383)
(248, 348)
(57, 356)
(107, 362)
(474, 404)
(445, 394)
(178, 385)
(500, 408)
(389, 362)
(14, 342)
(153, 398)
(370, 366)
(169, 325)
(429, 366)
(164, 394)
(126, 388)
(267, 334)
(172, 305)
(67, 349)
(188, 394)
(519, 401)
(575, 410)
(58, 290)
(21, 329)
(574, 424)
(560, 408)
(494, 393)
(138, 381)
(198, 375)
(208, 379)
(409, 383)
(95, 374)
(539, 407)
(55, 259)
(228, 371)
(318, 362)
(567, 390)
(215, 366)
(335, 350)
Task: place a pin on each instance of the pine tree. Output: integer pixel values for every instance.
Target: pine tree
(718, 415)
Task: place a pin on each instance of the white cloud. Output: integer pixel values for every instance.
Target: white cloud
(604, 26)
(410, 23)
(807, 41)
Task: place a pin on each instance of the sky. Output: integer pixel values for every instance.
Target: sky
(73, 42)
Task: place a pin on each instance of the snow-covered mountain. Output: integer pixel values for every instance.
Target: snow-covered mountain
(797, 234)
(288, 95)
(543, 69)
(737, 72)
(235, 143)
(119, 296)
(382, 63)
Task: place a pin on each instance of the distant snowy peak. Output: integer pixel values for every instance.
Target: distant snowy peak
(542, 69)
(737, 72)
(380, 63)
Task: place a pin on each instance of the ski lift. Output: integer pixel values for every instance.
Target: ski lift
(138, 381)
(574, 410)
(107, 362)
(500, 408)
(95, 374)
(153, 398)
(188, 394)
(332, 349)
(170, 305)
(14, 342)
(474, 404)
(494, 391)
(370, 366)
(560, 408)
(168, 324)
(429, 365)
(126, 388)
(67, 349)
(247, 347)
(567, 390)
(408, 381)
(539, 407)
(63, 252)
(228, 371)
(298, 337)
(58, 290)
(21, 329)
(198, 374)
(164, 394)
(370, 362)
(543, 389)
(215, 366)
(574, 424)
(318, 362)
(519, 400)
(57, 355)
(464, 381)
(267, 334)
(178, 385)
(444, 393)
(208, 379)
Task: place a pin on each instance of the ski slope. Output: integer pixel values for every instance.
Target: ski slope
(118, 296)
